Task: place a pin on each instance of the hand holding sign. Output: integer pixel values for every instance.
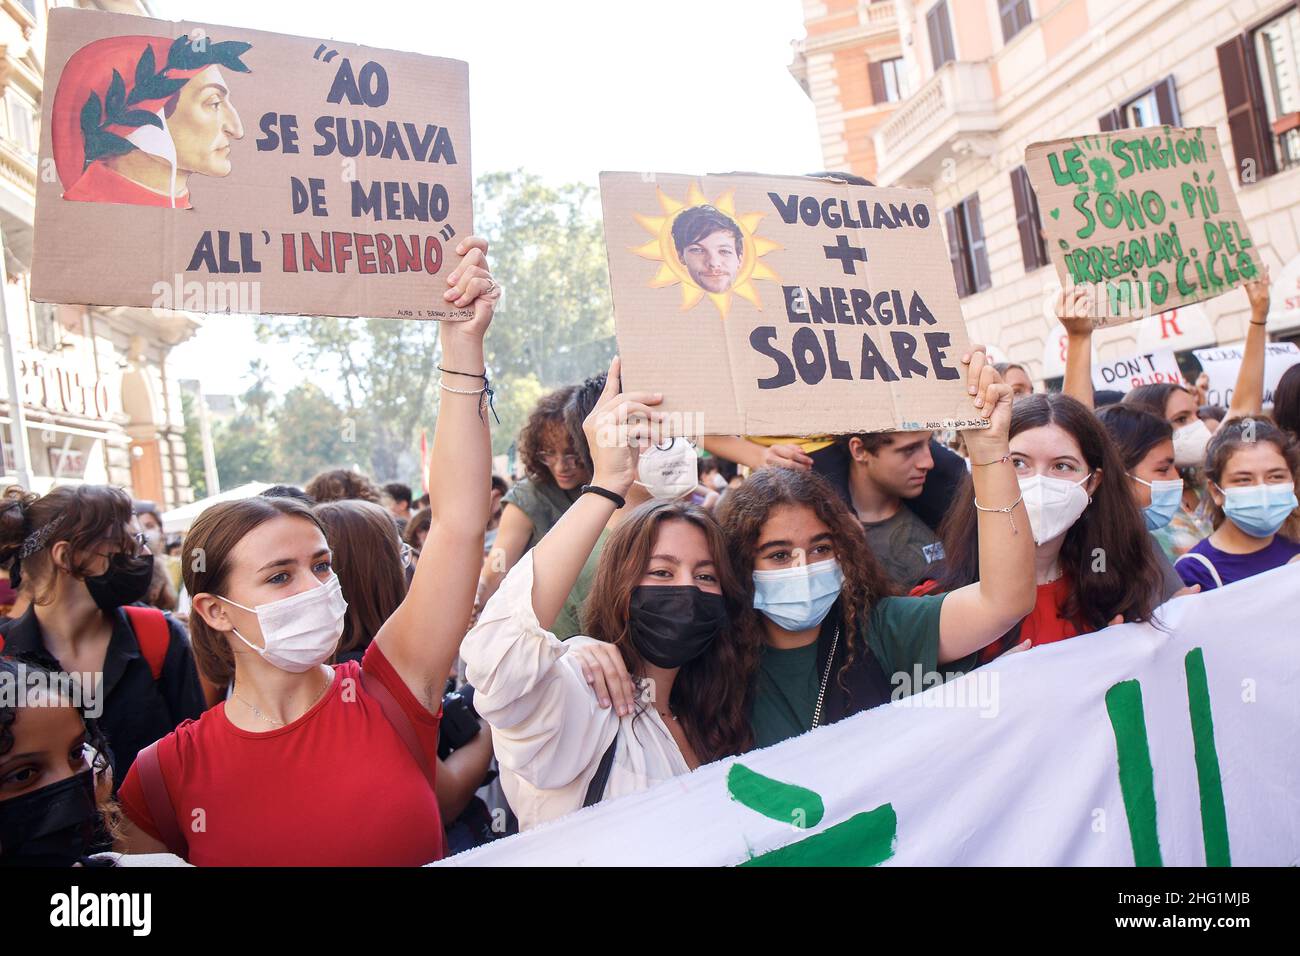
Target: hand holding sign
(992, 399)
(619, 425)
(472, 284)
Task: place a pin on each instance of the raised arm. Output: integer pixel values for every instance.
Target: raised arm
(422, 636)
(1248, 393)
(973, 616)
(513, 534)
(1074, 310)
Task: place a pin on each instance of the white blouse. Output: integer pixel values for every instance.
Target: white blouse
(548, 730)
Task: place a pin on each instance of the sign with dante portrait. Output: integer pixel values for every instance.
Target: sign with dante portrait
(216, 169)
(785, 305)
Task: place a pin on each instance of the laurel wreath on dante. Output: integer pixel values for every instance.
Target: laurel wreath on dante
(150, 84)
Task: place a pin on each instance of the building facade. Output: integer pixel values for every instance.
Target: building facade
(851, 65)
(986, 78)
(99, 402)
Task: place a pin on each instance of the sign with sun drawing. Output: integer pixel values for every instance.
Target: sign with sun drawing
(785, 305)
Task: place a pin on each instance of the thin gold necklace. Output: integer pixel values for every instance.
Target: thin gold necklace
(271, 720)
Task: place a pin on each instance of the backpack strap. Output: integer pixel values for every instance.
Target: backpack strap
(596, 789)
(1209, 566)
(151, 633)
(400, 721)
(159, 801)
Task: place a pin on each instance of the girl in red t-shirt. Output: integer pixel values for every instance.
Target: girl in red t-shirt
(1094, 561)
(306, 764)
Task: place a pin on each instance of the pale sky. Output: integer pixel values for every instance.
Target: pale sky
(564, 89)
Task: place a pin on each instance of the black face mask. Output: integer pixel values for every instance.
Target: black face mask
(126, 581)
(672, 625)
(52, 826)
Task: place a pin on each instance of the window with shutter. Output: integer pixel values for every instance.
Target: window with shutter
(977, 253)
(940, 28)
(956, 232)
(1028, 223)
(895, 79)
(1167, 103)
(876, 74)
(1251, 143)
(1111, 121)
(1276, 49)
(1015, 17)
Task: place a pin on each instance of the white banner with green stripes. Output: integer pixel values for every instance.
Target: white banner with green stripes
(1134, 745)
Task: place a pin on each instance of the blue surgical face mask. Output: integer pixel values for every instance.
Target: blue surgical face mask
(1166, 497)
(1259, 510)
(798, 598)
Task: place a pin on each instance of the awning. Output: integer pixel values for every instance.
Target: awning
(178, 520)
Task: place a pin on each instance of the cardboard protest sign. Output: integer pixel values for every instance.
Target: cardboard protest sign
(1223, 364)
(216, 169)
(778, 305)
(1146, 368)
(1146, 215)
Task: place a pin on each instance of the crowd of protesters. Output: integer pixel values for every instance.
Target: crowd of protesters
(346, 675)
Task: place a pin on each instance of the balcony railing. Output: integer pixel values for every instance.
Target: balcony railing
(17, 167)
(957, 101)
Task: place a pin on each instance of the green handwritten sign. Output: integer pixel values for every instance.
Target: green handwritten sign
(1147, 217)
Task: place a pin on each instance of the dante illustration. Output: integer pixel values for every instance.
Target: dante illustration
(135, 116)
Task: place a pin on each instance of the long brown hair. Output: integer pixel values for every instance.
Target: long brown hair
(711, 693)
(368, 561)
(205, 568)
(1111, 528)
(745, 510)
(87, 516)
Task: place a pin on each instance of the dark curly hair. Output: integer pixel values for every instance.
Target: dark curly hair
(546, 421)
(342, 484)
(580, 405)
(745, 510)
(18, 670)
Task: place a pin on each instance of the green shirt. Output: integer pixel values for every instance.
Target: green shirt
(544, 503)
(569, 621)
(905, 546)
(902, 632)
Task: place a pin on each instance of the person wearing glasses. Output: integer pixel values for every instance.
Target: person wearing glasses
(554, 475)
(78, 554)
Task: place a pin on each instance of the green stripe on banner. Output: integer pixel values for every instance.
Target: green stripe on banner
(864, 839)
(783, 802)
(1136, 776)
(1214, 816)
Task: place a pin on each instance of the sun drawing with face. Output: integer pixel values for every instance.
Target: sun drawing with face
(707, 247)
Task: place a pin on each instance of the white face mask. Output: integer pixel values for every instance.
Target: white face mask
(299, 632)
(1053, 504)
(1190, 442)
(669, 472)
